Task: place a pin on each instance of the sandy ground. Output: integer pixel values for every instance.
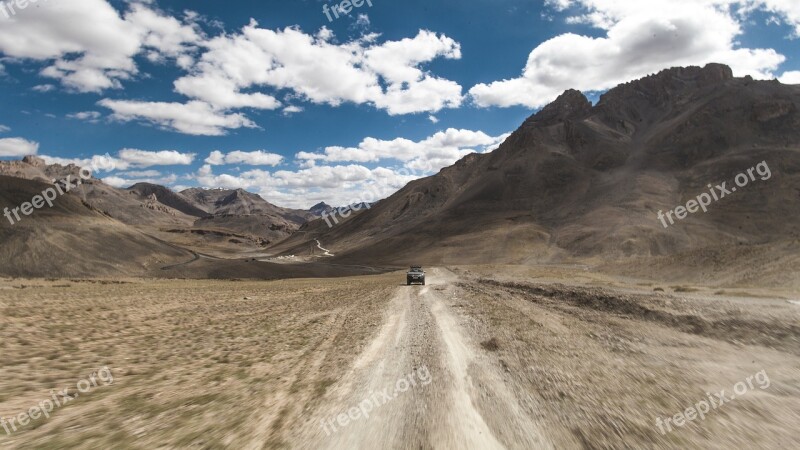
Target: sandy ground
(481, 357)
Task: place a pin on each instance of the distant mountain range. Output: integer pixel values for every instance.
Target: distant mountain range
(196, 205)
(223, 219)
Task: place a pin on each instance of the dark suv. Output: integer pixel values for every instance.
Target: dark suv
(415, 275)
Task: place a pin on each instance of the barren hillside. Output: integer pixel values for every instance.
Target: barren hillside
(578, 181)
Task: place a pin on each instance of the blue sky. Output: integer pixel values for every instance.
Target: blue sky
(275, 98)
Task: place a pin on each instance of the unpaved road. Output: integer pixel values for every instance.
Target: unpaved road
(423, 383)
(516, 365)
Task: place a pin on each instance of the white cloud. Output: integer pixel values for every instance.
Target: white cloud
(16, 147)
(141, 174)
(127, 158)
(88, 116)
(254, 158)
(216, 158)
(292, 109)
(88, 45)
(319, 71)
(142, 158)
(4, 129)
(362, 22)
(195, 117)
(311, 67)
(428, 155)
(120, 181)
(792, 77)
(338, 185)
(640, 38)
(44, 88)
(433, 119)
(99, 163)
(117, 182)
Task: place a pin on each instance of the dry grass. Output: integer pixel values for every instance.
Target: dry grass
(195, 364)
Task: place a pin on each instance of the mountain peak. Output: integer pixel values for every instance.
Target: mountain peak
(572, 104)
(668, 83)
(320, 209)
(35, 161)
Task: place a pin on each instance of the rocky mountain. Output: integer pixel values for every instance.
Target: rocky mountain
(586, 182)
(167, 197)
(216, 217)
(133, 207)
(72, 238)
(321, 208)
(245, 212)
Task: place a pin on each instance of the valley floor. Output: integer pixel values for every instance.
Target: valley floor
(481, 357)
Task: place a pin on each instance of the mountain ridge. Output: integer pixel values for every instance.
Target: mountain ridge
(581, 182)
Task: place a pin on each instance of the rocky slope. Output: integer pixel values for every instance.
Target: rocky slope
(244, 212)
(73, 239)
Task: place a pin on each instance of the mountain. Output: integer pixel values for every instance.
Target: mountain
(244, 212)
(167, 197)
(225, 220)
(73, 239)
(133, 207)
(583, 182)
(321, 208)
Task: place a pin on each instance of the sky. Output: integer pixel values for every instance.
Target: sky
(285, 99)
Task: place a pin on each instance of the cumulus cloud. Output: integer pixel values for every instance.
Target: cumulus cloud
(91, 46)
(43, 88)
(125, 159)
(195, 118)
(16, 147)
(97, 163)
(141, 174)
(428, 155)
(640, 38)
(235, 69)
(88, 45)
(254, 158)
(292, 109)
(142, 158)
(320, 71)
(792, 77)
(88, 116)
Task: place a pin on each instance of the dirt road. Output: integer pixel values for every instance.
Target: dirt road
(440, 390)
(542, 366)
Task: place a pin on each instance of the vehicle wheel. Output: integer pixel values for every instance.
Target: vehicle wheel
(408, 283)
(423, 283)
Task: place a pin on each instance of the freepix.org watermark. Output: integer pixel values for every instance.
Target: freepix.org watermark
(703, 407)
(343, 8)
(56, 400)
(715, 194)
(9, 8)
(376, 400)
(50, 194)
